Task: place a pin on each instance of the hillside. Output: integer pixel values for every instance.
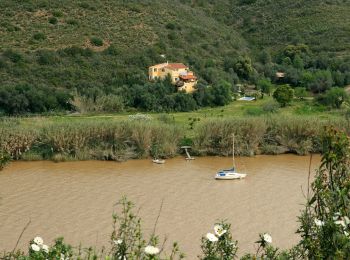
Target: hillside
(323, 25)
(92, 48)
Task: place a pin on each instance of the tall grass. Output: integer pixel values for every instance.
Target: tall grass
(214, 137)
(271, 135)
(111, 140)
(16, 139)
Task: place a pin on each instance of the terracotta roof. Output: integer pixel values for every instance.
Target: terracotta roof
(161, 65)
(185, 77)
(176, 66)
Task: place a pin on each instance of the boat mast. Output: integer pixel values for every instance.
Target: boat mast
(233, 150)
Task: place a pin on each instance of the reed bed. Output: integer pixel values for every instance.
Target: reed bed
(271, 135)
(121, 140)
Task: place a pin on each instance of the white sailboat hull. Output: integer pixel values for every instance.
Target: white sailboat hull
(226, 175)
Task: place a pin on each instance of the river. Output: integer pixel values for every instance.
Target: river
(76, 199)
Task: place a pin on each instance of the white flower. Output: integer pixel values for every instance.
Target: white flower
(151, 250)
(45, 248)
(118, 242)
(63, 257)
(340, 222)
(347, 220)
(35, 247)
(211, 237)
(39, 241)
(219, 230)
(336, 216)
(267, 238)
(318, 222)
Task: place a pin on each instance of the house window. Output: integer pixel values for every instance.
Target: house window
(176, 79)
(155, 70)
(163, 70)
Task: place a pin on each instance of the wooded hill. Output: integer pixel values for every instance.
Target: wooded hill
(52, 51)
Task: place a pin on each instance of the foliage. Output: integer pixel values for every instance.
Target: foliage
(324, 224)
(96, 41)
(217, 95)
(4, 159)
(300, 92)
(35, 99)
(244, 42)
(265, 86)
(219, 245)
(284, 95)
(333, 98)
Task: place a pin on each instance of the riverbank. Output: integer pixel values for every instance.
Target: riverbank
(143, 137)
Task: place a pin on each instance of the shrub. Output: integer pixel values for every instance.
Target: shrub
(170, 26)
(300, 92)
(13, 56)
(4, 159)
(96, 41)
(72, 22)
(283, 95)
(57, 13)
(39, 36)
(271, 107)
(333, 98)
(46, 57)
(109, 103)
(324, 224)
(53, 20)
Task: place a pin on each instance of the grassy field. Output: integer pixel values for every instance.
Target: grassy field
(302, 108)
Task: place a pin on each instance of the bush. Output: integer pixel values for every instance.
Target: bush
(333, 98)
(4, 159)
(271, 107)
(57, 13)
(283, 95)
(53, 20)
(170, 26)
(96, 41)
(13, 56)
(300, 92)
(39, 36)
(72, 22)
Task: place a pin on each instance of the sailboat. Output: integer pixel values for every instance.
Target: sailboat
(230, 174)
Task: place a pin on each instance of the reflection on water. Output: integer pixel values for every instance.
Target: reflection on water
(75, 199)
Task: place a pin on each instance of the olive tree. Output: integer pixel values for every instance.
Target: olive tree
(283, 95)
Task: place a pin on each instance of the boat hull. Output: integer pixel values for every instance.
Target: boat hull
(230, 176)
(157, 161)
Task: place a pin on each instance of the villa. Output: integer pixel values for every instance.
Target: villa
(180, 75)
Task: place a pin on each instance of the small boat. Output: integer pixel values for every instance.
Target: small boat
(230, 174)
(158, 161)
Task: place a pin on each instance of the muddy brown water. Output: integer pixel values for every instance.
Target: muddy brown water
(76, 199)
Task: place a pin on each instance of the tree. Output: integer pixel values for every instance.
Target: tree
(300, 92)
(221, 93)
(322, 80)
(334, 97)
(283, 95)
(298, 62)
(265, 85)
